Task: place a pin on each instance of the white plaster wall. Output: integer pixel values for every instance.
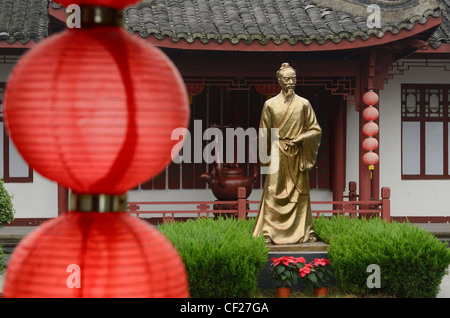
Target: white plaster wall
(408, 197)
(38, 199)
(34, 200)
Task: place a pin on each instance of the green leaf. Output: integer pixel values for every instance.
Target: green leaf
(312, 277)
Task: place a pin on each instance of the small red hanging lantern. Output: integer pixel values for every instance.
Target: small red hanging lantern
(370, 113)
(268, 89)
(94, 109)
(370, 98)
(370, 129)
(370, 144)
(370, 158)
(193, 90)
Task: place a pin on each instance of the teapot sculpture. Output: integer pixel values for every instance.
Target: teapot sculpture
(225, 179)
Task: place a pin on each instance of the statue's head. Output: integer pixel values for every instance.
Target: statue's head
(287, 77)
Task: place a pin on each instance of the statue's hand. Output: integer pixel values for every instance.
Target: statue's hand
(297, 141)
(292, 143)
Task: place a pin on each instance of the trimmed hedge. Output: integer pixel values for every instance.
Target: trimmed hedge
(221, 256)
(6, 216)
(6, 207)
(411, 260)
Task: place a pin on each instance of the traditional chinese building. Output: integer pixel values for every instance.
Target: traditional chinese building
(228, 53)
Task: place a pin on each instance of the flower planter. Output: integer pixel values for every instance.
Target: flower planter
(283, 292)
(321, 292)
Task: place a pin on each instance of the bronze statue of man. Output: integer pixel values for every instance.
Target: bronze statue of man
(284, 215)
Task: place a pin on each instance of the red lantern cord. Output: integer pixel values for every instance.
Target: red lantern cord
(95, 255)
(94, 109)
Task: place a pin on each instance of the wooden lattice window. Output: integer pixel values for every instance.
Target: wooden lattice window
(425, 131)
(12, 166)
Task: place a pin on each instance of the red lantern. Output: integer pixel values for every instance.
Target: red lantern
(194, 89)
(98, 255)
(370, 129)
(370, 98)
(94, 109)
(370, 158)
(268, 89)
(370, 113)
(116, 4)
(370, 144)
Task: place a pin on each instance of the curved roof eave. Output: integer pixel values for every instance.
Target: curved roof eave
(345, 43)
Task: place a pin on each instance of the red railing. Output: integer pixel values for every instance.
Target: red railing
(241, 207)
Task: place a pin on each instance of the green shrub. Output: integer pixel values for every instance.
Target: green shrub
(6, 207)
(221, 256)
(6, 216)
(412, 261)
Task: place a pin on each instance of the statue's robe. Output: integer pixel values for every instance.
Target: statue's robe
(285, 210)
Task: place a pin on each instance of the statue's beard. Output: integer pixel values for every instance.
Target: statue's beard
(290, 93)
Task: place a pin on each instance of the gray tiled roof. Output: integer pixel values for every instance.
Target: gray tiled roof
(23, 20)
(257, 20)
(240, 20)
(442, 34)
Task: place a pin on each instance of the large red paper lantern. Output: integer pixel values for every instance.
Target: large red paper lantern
(95, 255)
(94, 109)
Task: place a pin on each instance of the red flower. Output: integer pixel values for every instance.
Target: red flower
(300, 260)
(320, 261)
(286, 260)
(304, 271)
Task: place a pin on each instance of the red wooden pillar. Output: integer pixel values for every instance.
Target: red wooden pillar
(242, 203)
(386, 204)
(338, 161)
